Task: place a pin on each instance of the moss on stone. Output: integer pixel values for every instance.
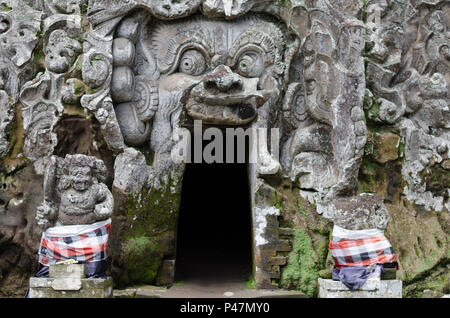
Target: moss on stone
(251, 283)
(5, 7)
(302, 270)
(301, 209)
(78, 87)
(401, 150)
(84, 7)
(150, 215)
(374, 111)
(152, 212)
(437, 180)
(278, 201)
(143, 255)
(437, 280)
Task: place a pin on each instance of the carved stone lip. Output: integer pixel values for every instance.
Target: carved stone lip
(237, 113)
(258, 98)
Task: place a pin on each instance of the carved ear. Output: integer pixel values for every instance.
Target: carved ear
(293, 72)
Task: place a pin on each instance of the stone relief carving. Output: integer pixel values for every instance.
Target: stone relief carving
(148, 67)
(74, 192)
(18, 34)
(365, 211)
(18, 29)
(42, 97)
(325, 149)
(6, 118)
(152, 79)
(408, 73)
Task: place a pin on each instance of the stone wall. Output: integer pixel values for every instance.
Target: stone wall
(358, 90)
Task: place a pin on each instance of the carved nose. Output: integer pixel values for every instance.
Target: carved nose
(223, 79)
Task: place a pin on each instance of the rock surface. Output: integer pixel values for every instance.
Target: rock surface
(358, 91)
(371, 289)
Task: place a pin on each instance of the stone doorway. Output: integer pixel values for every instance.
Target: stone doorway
(214, 236)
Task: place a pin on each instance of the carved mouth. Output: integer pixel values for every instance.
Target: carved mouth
(244, 111)
(229, 114)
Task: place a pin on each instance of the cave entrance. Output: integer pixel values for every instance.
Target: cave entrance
(214, 236)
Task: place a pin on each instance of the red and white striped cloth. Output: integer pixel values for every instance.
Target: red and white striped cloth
(84, 243)
(360, 248)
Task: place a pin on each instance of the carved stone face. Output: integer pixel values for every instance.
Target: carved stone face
(80, 177)
(224, 70)
(61, 51)
(19, 34)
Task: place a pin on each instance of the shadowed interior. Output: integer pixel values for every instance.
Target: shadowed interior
(214, 229)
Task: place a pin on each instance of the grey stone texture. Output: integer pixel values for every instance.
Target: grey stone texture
(358, 91)
(371, 289)
(69, 281)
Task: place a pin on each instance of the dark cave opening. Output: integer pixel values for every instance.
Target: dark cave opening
(214, 236)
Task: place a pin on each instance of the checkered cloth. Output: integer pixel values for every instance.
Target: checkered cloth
(84, 243)
(360, 248)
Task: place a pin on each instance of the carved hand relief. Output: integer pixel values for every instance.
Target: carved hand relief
(163, 9)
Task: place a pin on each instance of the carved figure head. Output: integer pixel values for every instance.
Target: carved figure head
(61, 51)
(80, 177)
(82, 171)
(19, 30)
(223, 71)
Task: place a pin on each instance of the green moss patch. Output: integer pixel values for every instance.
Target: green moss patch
(143, 256)
(303, 266)
(149, 217)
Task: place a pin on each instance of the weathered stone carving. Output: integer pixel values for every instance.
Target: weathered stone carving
(6, 116)
(217, 82)
(18, 34)
(325, 150)
(131, 171)
(326, 73)
(74, 192)
(408, 72)
(42, 98)
(18, 37)
(365, 211)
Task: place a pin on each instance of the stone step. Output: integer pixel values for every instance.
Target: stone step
(329, 288)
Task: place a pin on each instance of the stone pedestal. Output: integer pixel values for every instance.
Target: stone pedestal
(69, 281)
(371, 289)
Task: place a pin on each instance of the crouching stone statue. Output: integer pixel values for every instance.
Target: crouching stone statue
(75, 216)
(74, 192)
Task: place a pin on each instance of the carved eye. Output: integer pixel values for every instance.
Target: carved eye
(4, 24)
(192, 62)
(250, 64)
(310, 86)
(25, 32)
